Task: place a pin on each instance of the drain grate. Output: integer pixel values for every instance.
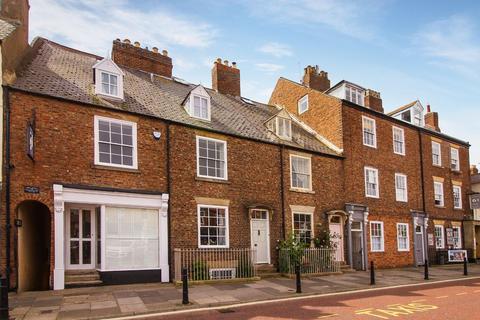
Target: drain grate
(226, 310)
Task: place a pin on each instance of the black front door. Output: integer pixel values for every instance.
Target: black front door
(357, 252)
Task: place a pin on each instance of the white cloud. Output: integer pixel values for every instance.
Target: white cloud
(276, 49)
(268, 67)
(92, 25)
(451, 43)
(352, 18)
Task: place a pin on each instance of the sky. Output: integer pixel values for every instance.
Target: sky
(406, 50)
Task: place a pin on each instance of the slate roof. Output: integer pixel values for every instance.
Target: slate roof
(6, 28)
(63, 72)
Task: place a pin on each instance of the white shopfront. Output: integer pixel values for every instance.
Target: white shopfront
(109, 231)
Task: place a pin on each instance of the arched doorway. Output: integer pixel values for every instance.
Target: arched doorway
(33, 246)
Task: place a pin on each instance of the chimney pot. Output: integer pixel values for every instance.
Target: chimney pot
(155, 49)
(428, 108)
(315, 79)
(136, 57)
(165, 53)
(118, 39)
(226, 79)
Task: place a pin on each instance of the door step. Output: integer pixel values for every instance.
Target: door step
(82, 278)
(345, 268)
(267, 271)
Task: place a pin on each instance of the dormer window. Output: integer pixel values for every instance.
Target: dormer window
(197, 104)
(303, 104)
(284, 128)
(109, 84)
(354, 95)
(108, 79)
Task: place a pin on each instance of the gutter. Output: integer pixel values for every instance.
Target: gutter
(169, 190)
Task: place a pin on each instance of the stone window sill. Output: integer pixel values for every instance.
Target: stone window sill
(212, 180)
(440, 207)
(302, 190)
(102, 167)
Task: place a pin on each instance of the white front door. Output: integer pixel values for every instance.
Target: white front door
(80, 238)
(336, 236)
(260, 236)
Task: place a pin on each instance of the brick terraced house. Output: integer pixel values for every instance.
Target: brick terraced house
(114, 164)
(406, 183)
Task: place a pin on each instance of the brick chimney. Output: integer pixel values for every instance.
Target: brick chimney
(473, 170)
(431, 120)
(15, 46)
(373, 100)
(316, 79)
(226, 78)
(134, 56)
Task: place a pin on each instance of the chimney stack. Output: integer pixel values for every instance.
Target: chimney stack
(473, 170)
(226, 78)
(136, 57)
(373, 100)
(316, 79)
(431, 120)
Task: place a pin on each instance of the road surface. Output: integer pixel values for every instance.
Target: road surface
(453, 300)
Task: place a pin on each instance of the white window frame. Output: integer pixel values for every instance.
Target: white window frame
(402, 135)
(439, 163)
(459, 188)
(459, 242)
(96, 120)
(365, 172)
(288, 124)
(303, 100)
(454, 155)
(359, 95)
(437, 183)
(198, 158)
(374, 145)
(107, 66)
(192, 106)
(407, 237)
(442, 238)
(399, 176)
(309, 188)
(382, 238)
(227, 233)
(312, 235)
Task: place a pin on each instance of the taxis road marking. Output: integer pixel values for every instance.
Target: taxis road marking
(396, 310)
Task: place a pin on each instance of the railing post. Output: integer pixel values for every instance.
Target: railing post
(372, 273)
(465, 266)
(298, 280)
(426, 270)
(185, 286)
(3, 299)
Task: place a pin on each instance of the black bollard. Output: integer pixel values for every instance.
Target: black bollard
(426, 270)
(372, 273)
(3, 299)
(299, 282)
(465, 266)
(185, 286)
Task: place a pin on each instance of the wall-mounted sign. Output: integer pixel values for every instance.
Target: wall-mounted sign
(475, 201)
(457, 255)
(430, 239)
(31, 189)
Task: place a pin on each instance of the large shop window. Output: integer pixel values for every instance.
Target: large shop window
(115, 143)
(439, 237)
(131, 238)
(213, 226)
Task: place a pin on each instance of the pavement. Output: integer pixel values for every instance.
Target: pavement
(142, 299)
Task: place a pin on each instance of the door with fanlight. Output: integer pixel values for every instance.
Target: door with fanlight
(80, 237)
